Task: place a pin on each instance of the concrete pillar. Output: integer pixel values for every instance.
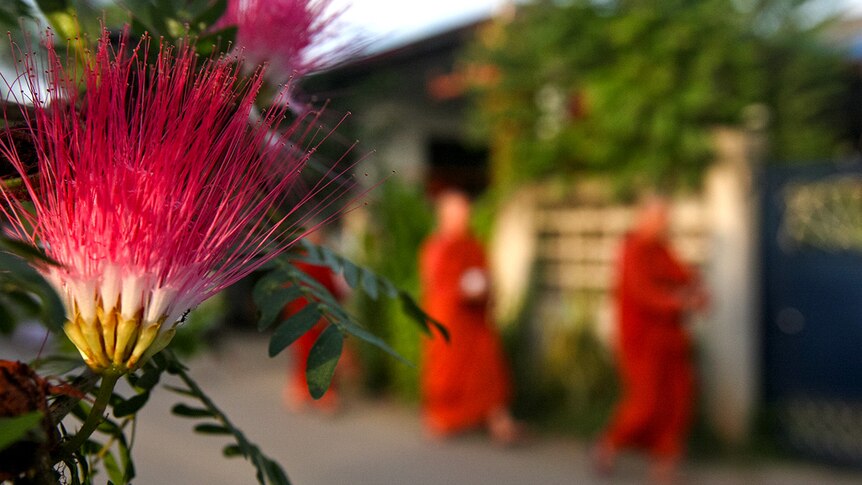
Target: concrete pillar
(729, 337)
(512, 253)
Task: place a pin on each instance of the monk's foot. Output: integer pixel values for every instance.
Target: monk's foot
(504, 429)
(293, 401)
(603, 458)
(435, 430)
(665, 471)
(329, 404)
(439, 435)
(434, 436)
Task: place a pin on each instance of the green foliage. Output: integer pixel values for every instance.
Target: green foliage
(23, 292)
(322, 360)
(284, 283)
(632, 88)
(70, 19)
(580, 369)
(805, 88)
(572, 388)
(400, 219)
(173, 21)
(18, 428)
(110, 449)
(11, 11)
(300, 323)
(177, 20)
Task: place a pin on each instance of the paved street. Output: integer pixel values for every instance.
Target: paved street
(375, 443)
(371, 443)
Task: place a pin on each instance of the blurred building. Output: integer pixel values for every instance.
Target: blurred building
(781, 249)
(409, 107)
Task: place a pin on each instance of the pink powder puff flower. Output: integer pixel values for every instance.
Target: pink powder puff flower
(282, 33)
(154, 190)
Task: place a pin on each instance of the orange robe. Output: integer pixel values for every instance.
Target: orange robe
(302, 346)
(654, 354)
(462, 381)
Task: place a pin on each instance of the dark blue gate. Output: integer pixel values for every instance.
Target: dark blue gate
(812, 262)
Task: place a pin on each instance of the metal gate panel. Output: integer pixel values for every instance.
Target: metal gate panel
(812, 327)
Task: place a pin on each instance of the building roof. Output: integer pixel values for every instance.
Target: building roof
(442, 45)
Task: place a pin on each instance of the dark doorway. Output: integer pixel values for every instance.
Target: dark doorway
(453, 163)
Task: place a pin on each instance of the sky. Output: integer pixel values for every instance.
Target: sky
(410, 17)
(404, 16)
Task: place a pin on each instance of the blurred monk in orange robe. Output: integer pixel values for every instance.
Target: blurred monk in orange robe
(465, 383)
(655, 292)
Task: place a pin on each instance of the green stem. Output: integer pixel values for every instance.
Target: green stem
(94, 419)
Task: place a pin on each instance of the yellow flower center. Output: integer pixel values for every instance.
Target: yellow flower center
(111, 341)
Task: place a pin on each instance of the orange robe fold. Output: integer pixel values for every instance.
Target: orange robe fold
(654, 354)
(462, 381)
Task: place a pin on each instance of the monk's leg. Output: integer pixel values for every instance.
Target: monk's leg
(635, 414)
(672, 432)
(475, 391)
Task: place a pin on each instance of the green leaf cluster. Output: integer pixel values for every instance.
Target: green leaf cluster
(284, 283)
(11, 11)
(110, 448)
(173, 21)
(24, 294)
(18, 428)
(633, 88)
(178, 20)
